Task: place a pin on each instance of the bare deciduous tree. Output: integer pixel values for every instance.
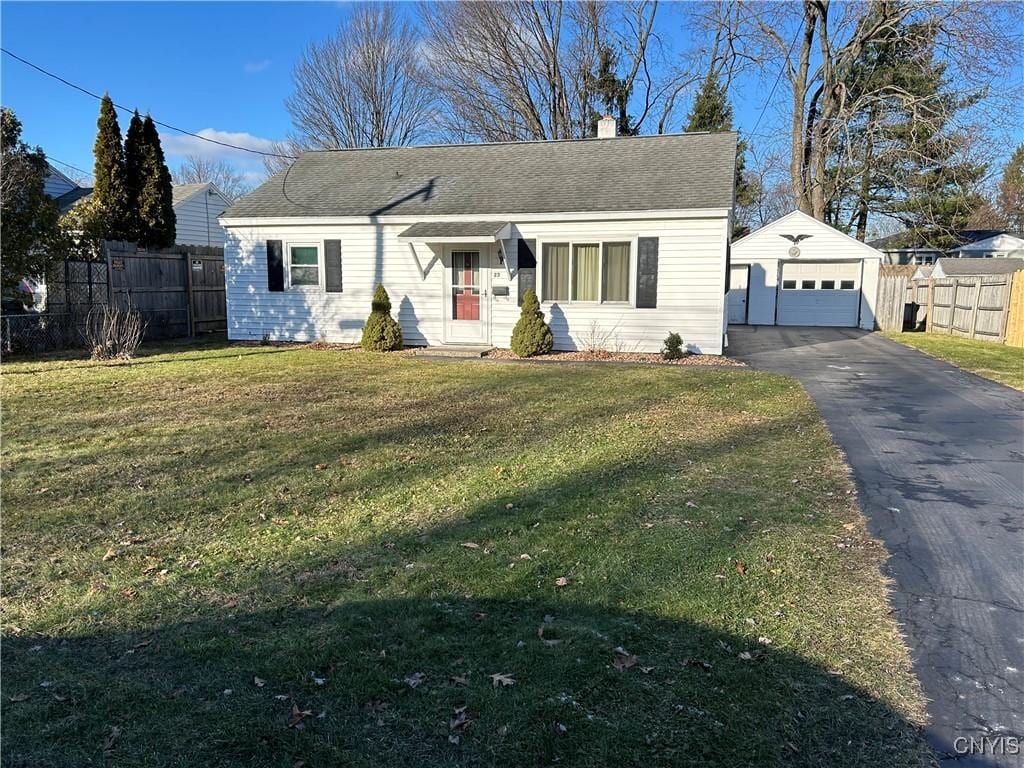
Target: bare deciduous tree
(829, 39)
(362, 87)
(199, 170)
(520, 70)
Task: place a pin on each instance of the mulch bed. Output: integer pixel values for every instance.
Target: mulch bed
(600, 356)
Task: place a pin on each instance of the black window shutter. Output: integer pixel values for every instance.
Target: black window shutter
(275, 266)
(647, 273)
(526, 267)
(332, 265)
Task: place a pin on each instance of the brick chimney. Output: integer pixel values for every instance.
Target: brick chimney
(606, 127)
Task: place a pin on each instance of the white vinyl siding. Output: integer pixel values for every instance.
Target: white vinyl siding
(827, 255)
(691, 284)
(196, 220)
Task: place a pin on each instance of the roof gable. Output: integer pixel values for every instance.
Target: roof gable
(807, 224)
(677, 172)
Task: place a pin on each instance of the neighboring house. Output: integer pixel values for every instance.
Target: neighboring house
(970, 243)
(923, 272)
(625, 239)
(952, 267)
(800, 271)
(56, 183)
(197, 208)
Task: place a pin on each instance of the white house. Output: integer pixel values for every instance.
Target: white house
(970, 243)
(625, 237)
(800, 271)
(197, 208)
(953, 267)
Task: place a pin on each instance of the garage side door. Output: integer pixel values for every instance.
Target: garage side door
(819, 293)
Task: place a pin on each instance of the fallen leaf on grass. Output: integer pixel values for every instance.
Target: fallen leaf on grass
(623, 659)
(111, 738)
(282, 696)
(471, 545)
(111, 554)
(547, 642)
(741, 567)
(503, 679)
(458, 723)
(458, 680)
(849, 526)
(298, 715)
(647, 670)
(19, 697)
(705, 665)
(259, 682)
(562, 581)
(479, 616)
(415, 679)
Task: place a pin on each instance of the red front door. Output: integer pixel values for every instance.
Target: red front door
(465, 285)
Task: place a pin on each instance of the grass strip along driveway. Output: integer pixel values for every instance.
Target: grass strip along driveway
(997, 362)
(279, 556)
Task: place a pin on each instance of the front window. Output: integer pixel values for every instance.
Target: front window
(586, 272)
(556, 272)
(304, 265)
(615, 268)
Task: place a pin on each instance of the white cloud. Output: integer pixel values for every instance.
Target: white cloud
(181, 145)
(252, 67)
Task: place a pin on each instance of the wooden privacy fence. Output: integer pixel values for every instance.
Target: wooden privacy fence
(179, 291)
(989, 307)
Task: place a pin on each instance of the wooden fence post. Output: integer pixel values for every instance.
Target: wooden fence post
(974, 309)
(188, 294)
(931, 305)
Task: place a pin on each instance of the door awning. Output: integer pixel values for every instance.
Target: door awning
(456, 232)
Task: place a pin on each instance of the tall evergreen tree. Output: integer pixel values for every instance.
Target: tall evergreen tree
(156, 201)
(900, 156)
(110, 192)
(712, 112)
(134, 159)
(1011, 191)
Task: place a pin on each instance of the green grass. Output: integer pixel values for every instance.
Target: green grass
(985, 358)
(337, 523)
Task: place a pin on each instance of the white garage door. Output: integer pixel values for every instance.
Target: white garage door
(819, 293)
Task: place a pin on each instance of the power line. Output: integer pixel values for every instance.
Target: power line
(778, 78)
(52, 159)
(87, 92)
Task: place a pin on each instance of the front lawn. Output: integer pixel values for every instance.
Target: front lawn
(285, 556)
(985, 358)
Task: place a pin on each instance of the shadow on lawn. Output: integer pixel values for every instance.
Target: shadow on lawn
(188, 694)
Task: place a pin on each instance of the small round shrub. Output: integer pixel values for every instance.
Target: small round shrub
(382, 333)
(531, 336)
(673, 349)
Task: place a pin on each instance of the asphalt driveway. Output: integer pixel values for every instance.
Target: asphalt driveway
(938, 455)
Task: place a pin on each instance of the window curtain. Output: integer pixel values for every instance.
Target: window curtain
(586, 269)
(556, 272)
(616, 272)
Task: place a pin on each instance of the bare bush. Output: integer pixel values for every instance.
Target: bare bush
(112, 333)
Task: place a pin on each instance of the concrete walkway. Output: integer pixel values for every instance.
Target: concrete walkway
(938, 455)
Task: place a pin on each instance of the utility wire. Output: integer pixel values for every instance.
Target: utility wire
(126, 109)
(778, 78)
(52, 159)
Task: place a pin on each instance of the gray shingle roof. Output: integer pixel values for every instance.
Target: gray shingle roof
(693, 171)
(953, 266)
(181, 192)
(68, 200)
(443, 229)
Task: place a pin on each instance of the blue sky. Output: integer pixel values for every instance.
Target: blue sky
(221, 69)
(224, 67)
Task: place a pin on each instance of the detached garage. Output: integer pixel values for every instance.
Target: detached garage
(800, 271)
